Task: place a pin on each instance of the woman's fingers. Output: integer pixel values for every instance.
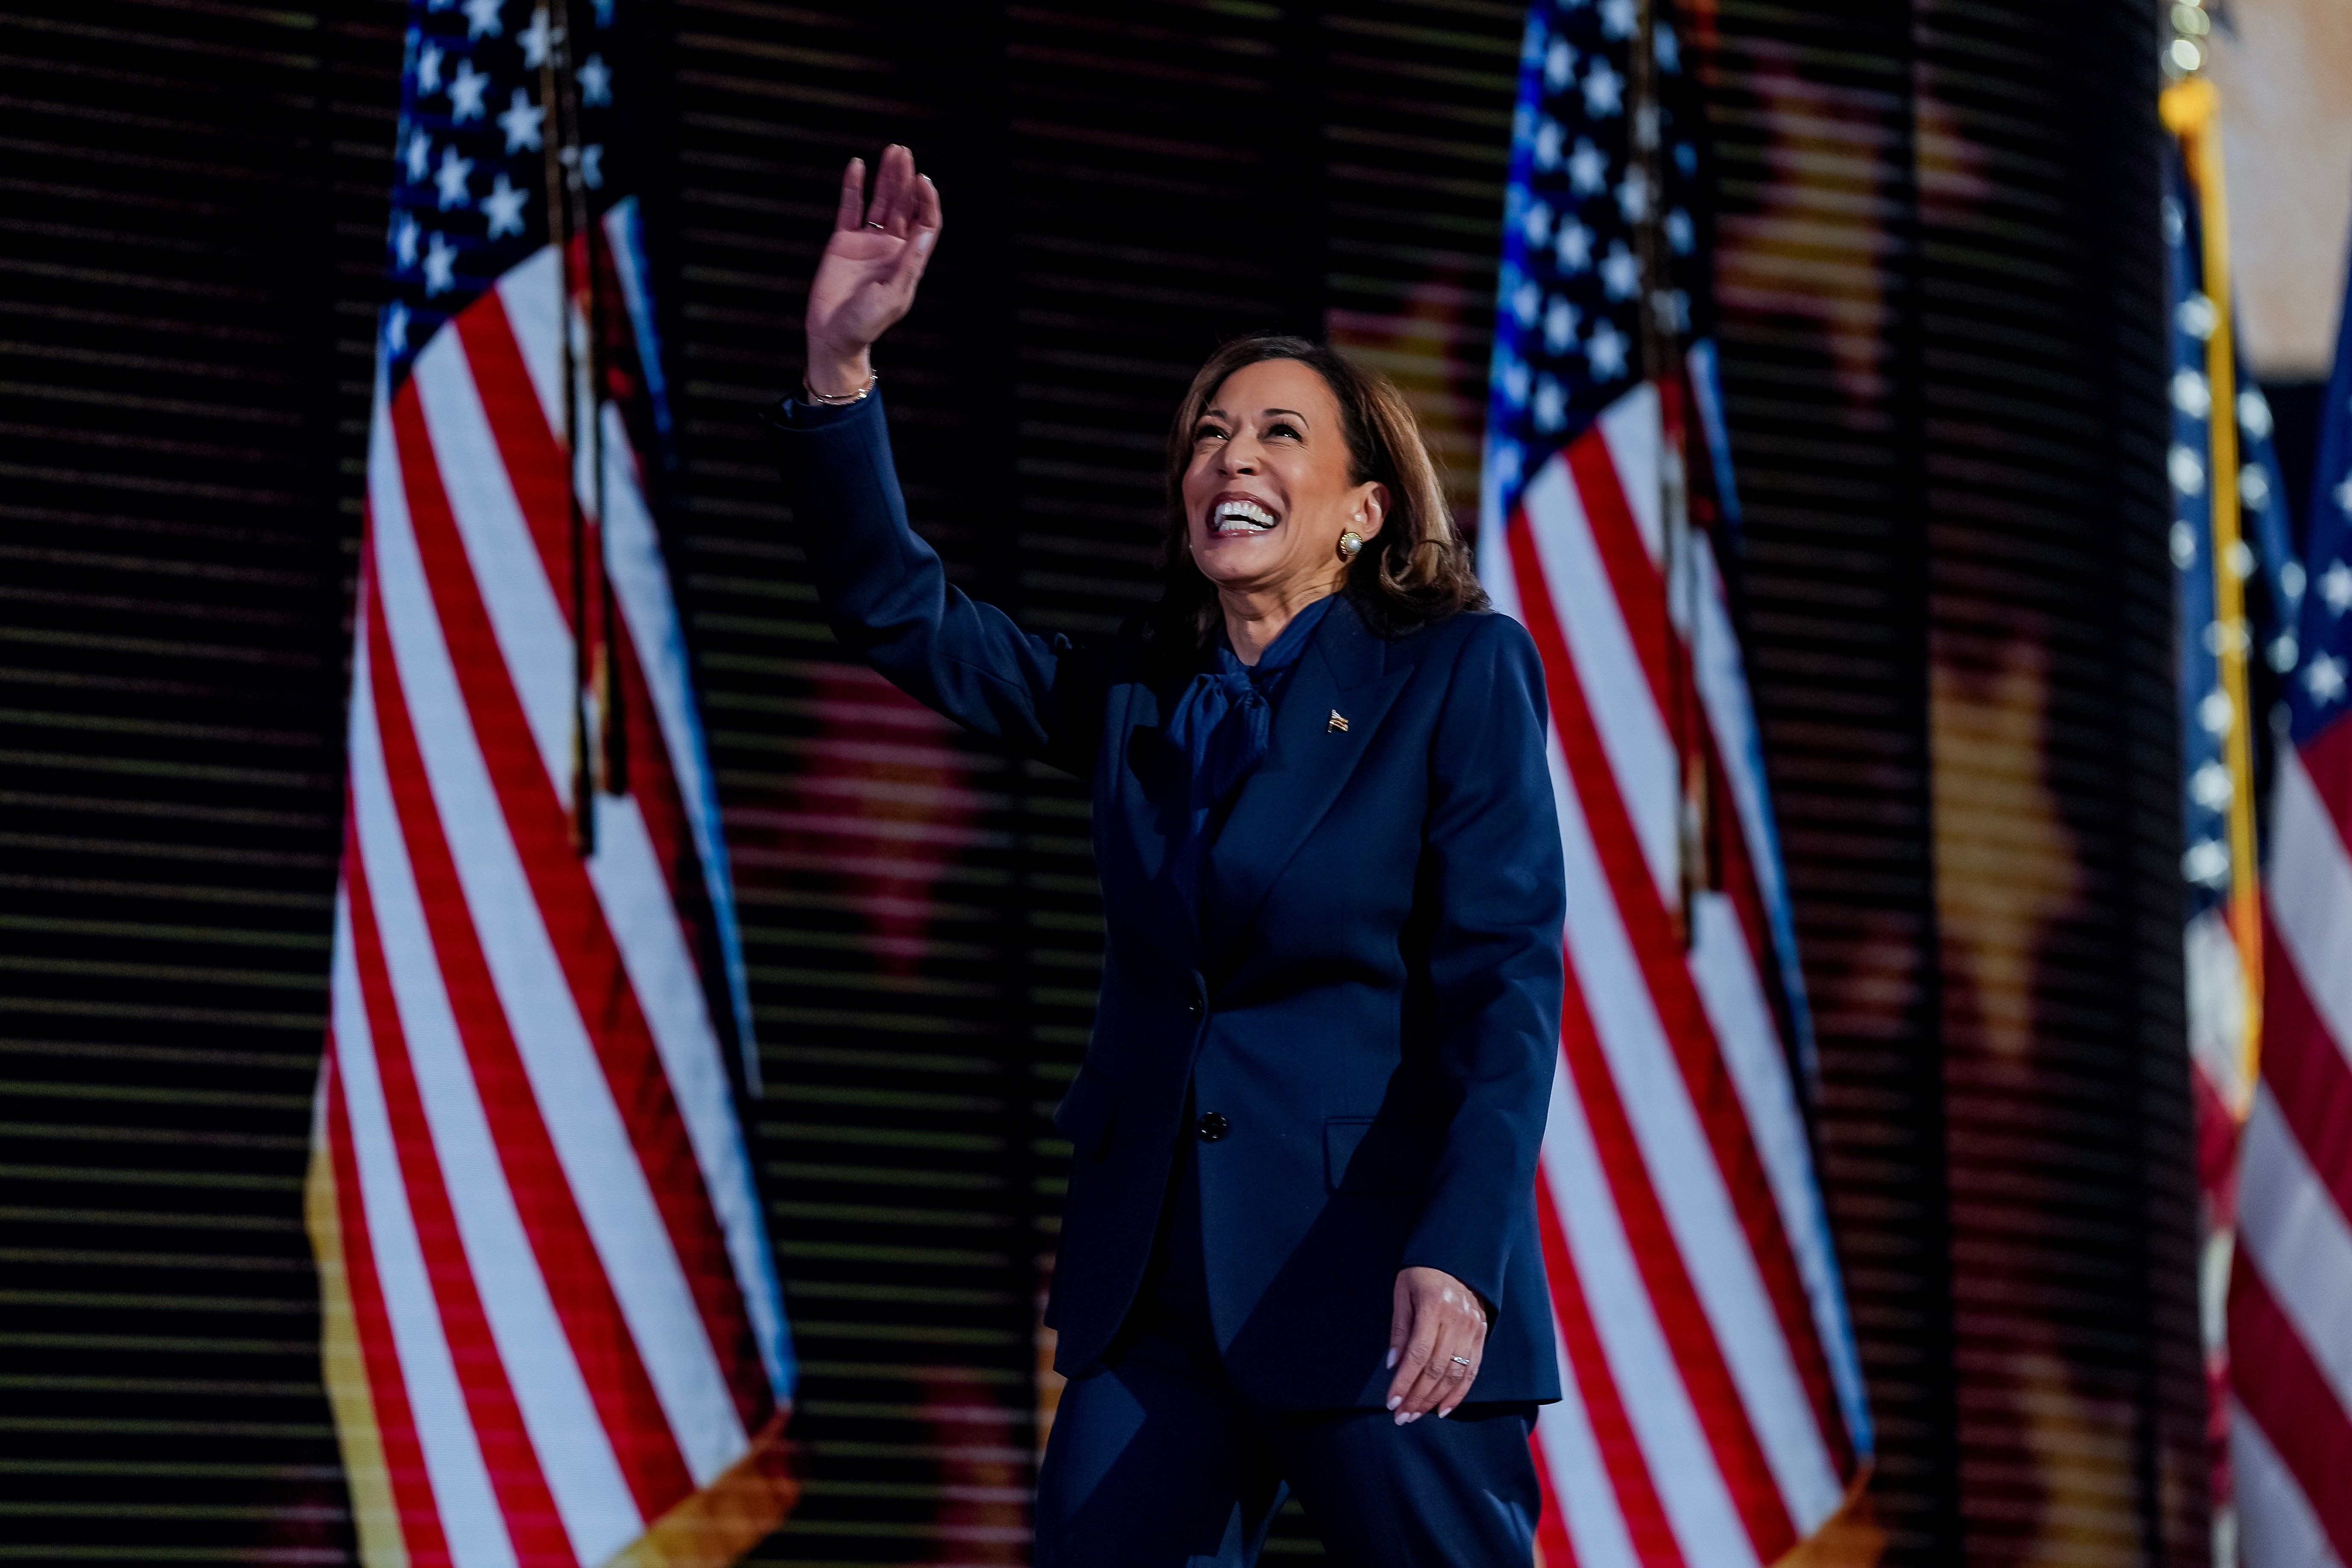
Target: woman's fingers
(853, 196)
(1458, 1375)
(893, 190)
(1437, 1331)
(1414, 1357)
(1427, 1388)
(907, 271)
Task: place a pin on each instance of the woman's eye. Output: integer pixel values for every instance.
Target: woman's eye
(1279, 429)
(1207, 433)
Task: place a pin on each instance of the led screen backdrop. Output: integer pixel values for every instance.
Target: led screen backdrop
(1940, 291)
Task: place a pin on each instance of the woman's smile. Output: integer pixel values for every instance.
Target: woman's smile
(1235, 513)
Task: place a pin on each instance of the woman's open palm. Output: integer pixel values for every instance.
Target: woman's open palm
(865, 280)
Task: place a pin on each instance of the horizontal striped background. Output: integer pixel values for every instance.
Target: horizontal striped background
(1935, 287)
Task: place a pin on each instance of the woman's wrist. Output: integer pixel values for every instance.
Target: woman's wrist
(836, 374)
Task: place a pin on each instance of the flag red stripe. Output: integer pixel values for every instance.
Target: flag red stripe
(395, 1419)
(1672, 1298)
(1553, 1549)
(2284, 1389)
(533, 457)
(524, 1500)
(1746, 895)
(607, 1354)
(1640, 588)
(575, 926)
(2327, 758)
(1604, 1406)
(2307, 1074)
(1684, 1022)
(654, 785)
(1640, 594)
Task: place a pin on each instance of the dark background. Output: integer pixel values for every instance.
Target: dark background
(1941, 312)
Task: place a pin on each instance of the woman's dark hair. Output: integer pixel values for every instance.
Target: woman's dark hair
(1417, 571)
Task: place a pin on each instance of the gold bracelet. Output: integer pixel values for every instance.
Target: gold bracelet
(841, 400)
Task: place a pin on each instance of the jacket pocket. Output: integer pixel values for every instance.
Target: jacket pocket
(1086, 1115)
(1370, 1154)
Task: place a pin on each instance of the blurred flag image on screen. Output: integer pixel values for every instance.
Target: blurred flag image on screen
(552, 1329)
(2237, 586)
(1714, 1410)
(2290, 1289)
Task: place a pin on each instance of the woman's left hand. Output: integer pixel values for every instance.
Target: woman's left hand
(1437, 1334)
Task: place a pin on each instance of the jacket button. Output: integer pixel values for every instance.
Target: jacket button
(1214, 1126)
(1193, 1008)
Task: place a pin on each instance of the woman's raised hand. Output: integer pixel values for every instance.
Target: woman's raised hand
(865, 280)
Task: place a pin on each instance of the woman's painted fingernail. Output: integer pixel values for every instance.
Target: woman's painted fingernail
(1396, 1400)
(1404, 1420)
(1392, 1356)
(1414, 1417)
(923, 242)
(1444, 1413)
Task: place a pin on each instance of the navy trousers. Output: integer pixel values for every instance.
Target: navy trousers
(1157, 1460)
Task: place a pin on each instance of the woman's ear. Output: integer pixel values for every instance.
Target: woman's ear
(1371, 508)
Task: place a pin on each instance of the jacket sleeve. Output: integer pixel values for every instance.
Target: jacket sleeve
(1494, 953)
(889, 601)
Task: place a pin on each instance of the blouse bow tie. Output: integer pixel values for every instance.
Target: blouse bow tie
(1223, 724)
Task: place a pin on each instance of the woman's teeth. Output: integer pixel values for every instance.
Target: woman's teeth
(1240, 517)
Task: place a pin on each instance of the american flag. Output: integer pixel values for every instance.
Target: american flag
(2237, 587)
(552, 1329)
(2291, 1286)
(1714, 1412)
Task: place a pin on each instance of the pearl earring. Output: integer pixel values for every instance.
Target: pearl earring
(1349, 543)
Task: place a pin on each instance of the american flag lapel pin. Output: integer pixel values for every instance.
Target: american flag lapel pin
(1338, 726)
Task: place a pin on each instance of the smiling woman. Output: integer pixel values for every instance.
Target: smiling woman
(1301, 1214)
(1275, 431)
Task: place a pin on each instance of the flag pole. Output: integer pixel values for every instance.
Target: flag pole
(2191, 110)
(1662, 328)
(560, 170)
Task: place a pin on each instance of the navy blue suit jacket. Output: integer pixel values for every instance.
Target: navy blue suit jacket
(1370, 997)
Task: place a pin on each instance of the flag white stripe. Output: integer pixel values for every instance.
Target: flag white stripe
(529, 292)
(2276, 1528)
(1674, 1446)
(2310, 892)
(2295, 1236)
(462, 1496)
(1640, 753)
(575, 1099)
(1630, 430)
(524, 612)
(1579, 1478)
(1721, 676)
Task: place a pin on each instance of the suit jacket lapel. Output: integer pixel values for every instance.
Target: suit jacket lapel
(1307, 763)
(1148, 793)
